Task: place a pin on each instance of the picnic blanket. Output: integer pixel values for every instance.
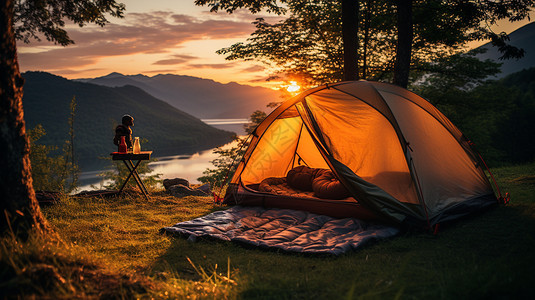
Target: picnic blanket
(289, 230)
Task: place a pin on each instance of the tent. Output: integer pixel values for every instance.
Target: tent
(398, 158)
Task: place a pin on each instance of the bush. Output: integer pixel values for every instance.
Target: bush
(51, 173)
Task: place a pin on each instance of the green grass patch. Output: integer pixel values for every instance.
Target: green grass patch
(490, 255)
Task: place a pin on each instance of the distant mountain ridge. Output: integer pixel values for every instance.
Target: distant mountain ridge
(202, 98)
(99, 109)
(523, 37)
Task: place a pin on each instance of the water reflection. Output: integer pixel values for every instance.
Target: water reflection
(225, 121)
(234, 125)
(187, 167)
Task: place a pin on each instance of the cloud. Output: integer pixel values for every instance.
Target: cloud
(261, 78)
(175, 61)
(73, 72)
(161, 71)
(254, 69)
(211, 66)
(138, 33)
(183, 19)
(185, 56)
(171, 61)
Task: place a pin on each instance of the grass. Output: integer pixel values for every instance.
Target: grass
(115, 246)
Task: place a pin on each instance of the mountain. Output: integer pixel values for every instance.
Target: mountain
(524, 38)
(99, 109)
(203, 98)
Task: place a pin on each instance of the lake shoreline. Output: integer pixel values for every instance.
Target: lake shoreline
(187, 166)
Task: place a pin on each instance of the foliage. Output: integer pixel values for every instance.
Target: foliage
(54, 173)
(495, 115)
(256, 118)
(42, 163)
(33, 18)
(119, 172)
(462, 71)
(515, 134)
(49, 173)
(121, 234)
(254, 6)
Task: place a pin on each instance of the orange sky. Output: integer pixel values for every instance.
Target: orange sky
(163, 36)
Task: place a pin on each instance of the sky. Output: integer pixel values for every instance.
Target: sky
(158, 37)
(155, 37)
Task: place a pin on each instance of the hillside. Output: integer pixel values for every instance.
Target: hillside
(195, 95)
(496, 115)
(517, 134)
(524, 38)
(99, 109)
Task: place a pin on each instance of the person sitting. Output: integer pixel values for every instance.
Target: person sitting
(124, 130)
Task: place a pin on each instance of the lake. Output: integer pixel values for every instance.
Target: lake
(234, 125)
(189, 167)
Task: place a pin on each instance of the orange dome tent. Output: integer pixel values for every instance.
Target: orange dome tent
(398, 157)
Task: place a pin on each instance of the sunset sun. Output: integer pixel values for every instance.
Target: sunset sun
(293, 87)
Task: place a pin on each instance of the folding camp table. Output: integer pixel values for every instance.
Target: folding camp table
(127, 160)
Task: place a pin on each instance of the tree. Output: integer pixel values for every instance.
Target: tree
(26, 20)
(350, 40)
(404, 43)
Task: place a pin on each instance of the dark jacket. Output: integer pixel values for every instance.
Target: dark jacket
(122, 130)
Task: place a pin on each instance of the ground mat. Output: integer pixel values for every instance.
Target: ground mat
(289, 230)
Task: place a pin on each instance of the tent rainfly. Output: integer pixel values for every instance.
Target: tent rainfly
(362, 149)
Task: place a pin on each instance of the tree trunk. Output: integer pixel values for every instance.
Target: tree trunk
(367, 22)
(404, 46)
(19, 210)
(350, 25)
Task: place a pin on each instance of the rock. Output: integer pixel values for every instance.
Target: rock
(47, 197)
(192, 238)
(167, 183)
(98, 193)
(180, 190)
(205, 188)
